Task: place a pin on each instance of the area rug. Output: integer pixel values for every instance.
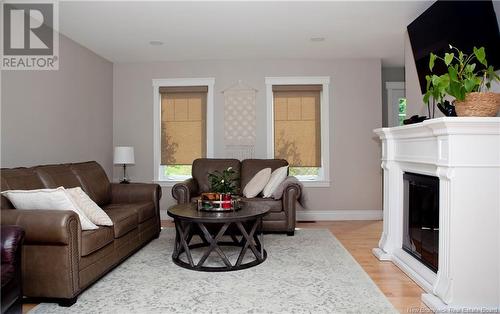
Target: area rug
(310, 272)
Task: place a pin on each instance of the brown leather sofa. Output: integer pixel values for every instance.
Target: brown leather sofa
(11, 249)
(281, 217)
(61, 260)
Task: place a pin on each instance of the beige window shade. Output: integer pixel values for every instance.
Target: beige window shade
(297, 88)
(183, 124)
(183, 89)
(297, 129)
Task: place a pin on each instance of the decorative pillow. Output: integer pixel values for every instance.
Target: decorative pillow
(279, 175)
(257, 184)
(55, 199)
(93, 212)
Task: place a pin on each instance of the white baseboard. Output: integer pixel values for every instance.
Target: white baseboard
(355, 214)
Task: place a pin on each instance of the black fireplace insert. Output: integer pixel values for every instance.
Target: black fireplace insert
(421, 218)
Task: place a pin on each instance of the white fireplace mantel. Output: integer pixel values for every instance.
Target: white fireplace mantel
(464, 153)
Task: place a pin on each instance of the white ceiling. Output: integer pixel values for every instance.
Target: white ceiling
(121, 31)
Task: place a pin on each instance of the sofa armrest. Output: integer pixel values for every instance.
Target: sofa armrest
(135, 192)
(138, 192)
(291, 195)
(12, 239)
(51, 266)
(44, 226)
(184, 191)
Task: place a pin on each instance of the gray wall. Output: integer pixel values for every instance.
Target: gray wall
(355, 110)
(59, 116)
(389, 75)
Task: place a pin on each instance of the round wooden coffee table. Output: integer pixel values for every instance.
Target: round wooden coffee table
(211, 227)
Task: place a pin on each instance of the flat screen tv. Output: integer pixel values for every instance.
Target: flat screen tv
(463, 24)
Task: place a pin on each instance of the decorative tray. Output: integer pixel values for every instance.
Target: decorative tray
(215, 202)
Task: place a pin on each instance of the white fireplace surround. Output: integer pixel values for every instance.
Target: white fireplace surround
(464, 153)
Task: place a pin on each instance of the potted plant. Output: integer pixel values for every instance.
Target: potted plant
(464, 82)
(222, 186)
(223, 183)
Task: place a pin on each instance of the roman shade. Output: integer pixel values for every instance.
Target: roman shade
(183, 89)
(183, 124)
(297, 88)
(297, 128)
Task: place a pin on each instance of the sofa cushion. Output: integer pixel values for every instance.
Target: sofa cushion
(258, 202)
(18, 179)
(54, 176)
(144, 210)
(124, 218)
(203, 166)
(250, 167)
(93, 240)
(94, 181)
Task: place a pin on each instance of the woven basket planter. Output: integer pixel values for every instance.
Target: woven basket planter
(478, 105)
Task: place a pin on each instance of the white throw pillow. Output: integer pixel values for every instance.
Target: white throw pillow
(257, 184)
(93, 212)
(277, 177)
(55, 199)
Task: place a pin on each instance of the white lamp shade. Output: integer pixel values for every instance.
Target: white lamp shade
(124, 155)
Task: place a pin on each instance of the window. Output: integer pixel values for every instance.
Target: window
(402, 110)
(183, 124)
(298, 111)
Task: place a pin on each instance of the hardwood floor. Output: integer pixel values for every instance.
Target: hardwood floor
(359, 237)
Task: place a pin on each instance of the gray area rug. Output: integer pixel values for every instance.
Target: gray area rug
(308, 273)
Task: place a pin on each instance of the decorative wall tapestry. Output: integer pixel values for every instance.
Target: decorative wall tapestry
(239, 121)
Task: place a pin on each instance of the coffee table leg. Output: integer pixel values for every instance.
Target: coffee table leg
(176, 252)
(261, 239)
(213, 244)
(183, 235)
(249, 239)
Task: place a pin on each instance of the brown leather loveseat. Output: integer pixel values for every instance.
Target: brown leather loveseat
(281, 217)
(59, 259)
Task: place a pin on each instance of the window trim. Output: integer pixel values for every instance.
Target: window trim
(157, 83)
(323, 180)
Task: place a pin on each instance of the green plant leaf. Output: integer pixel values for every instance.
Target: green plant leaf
(470, 85)
(453, 73)
(469, 68)
(448, 57)
(426, 97)
(432, 59)
(428, 79)
(435, 80)
(454, 89)
(444, 81)
(480, 55)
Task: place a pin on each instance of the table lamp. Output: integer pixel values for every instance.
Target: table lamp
(124, 155)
